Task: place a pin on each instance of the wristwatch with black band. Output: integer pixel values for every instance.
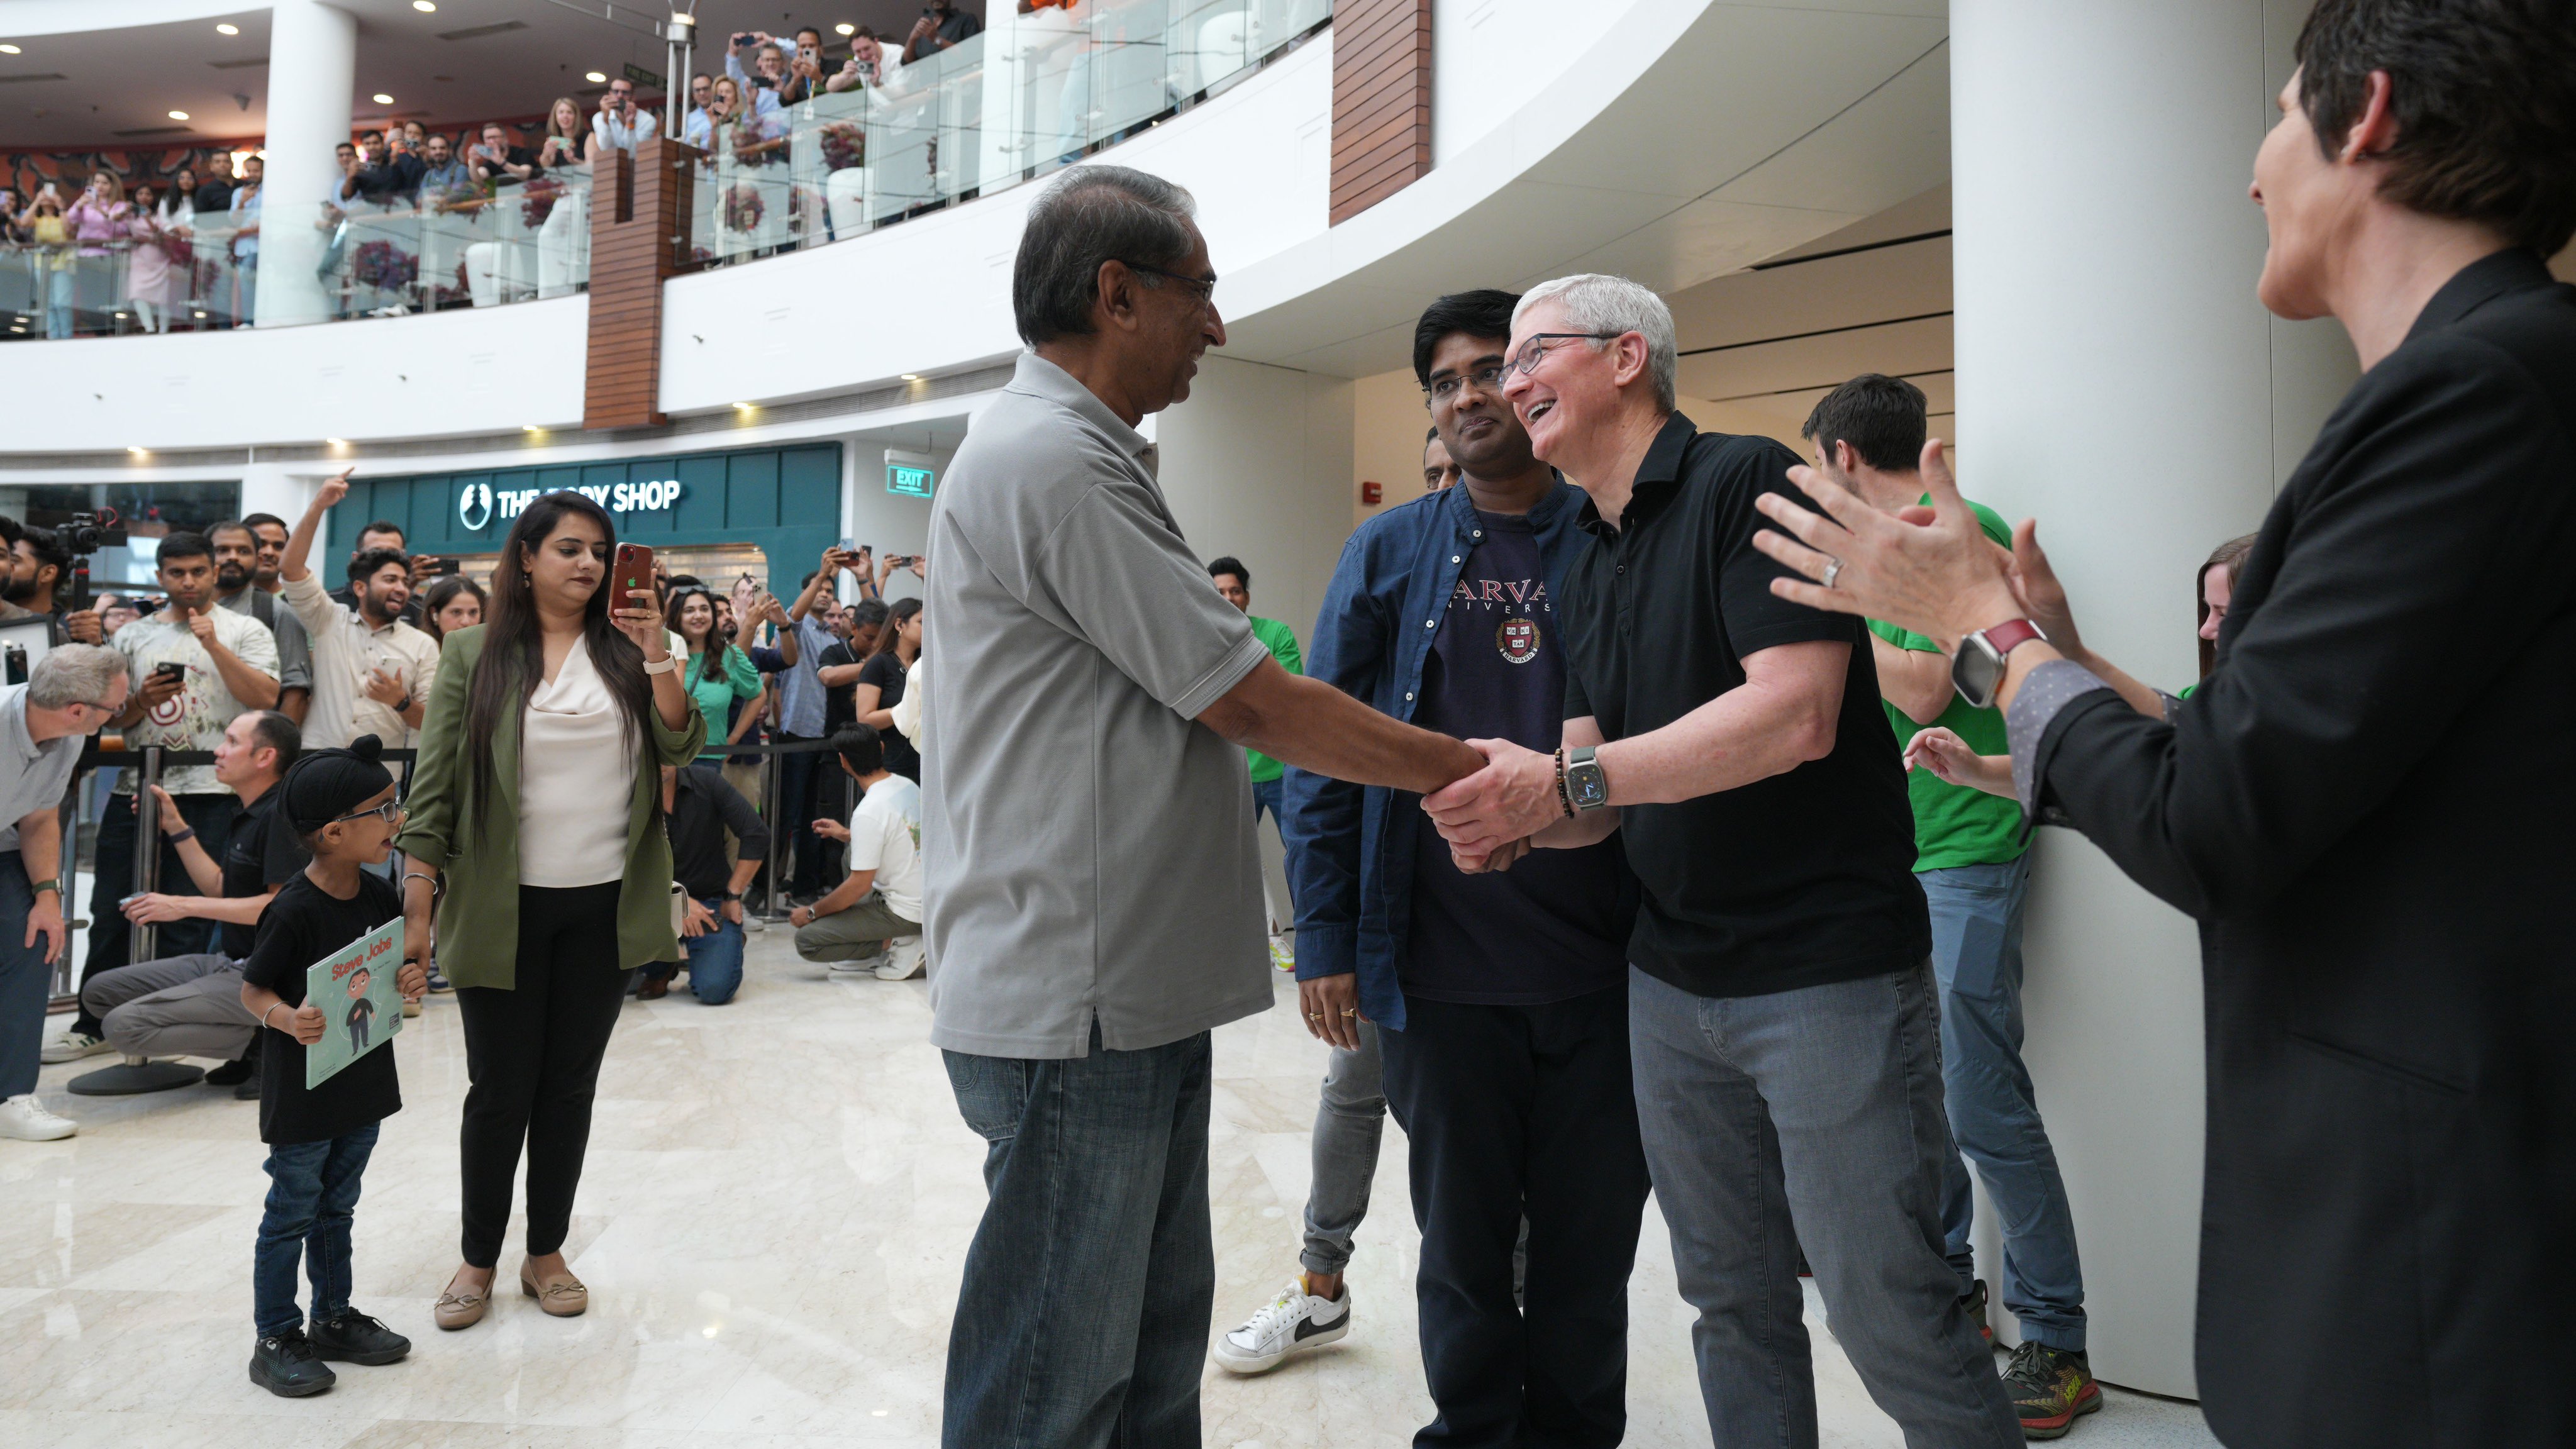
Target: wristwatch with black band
(1978, 670)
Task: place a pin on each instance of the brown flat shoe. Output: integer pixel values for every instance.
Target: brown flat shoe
(460, 1307)
(561, 1295)
(652, 990)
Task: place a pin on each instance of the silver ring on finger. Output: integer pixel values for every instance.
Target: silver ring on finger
(1833, 570)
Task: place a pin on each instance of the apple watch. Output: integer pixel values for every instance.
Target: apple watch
(1978, 670)
(663, 665)
(1586, 788)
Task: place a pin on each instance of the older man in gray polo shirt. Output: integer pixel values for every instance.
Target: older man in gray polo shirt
(1093, 890)
(71, 692)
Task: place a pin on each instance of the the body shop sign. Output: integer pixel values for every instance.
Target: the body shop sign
(478, 504)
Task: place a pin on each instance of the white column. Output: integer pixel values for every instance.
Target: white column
(2118, 381)
(312, 73)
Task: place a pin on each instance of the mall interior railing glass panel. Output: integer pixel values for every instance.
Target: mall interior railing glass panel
(1025, 98)
(1030, 95)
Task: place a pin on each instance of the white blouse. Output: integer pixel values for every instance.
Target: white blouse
(576, 779)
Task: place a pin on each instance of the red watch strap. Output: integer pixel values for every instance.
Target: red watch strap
(2011, 634)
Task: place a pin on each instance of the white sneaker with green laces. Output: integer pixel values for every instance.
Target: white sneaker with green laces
(1289, 1324)
(71, 1046)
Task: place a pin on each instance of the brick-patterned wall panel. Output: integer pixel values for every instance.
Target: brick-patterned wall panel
(636, 211)
(1381, 100)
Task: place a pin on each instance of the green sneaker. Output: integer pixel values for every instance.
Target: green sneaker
(2049, 1387)
(1281, 955)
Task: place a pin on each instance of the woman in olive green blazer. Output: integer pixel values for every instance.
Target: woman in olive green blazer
(537, 794)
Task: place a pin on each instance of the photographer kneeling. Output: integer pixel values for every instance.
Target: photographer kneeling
(871, 921)
(190, 1005)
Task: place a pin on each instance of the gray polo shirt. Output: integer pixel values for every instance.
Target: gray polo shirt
(32, 776)
(1089, 845)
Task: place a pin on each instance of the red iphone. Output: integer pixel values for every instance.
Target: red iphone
(631, 570)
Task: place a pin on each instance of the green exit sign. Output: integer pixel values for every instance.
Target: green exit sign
(910, 475)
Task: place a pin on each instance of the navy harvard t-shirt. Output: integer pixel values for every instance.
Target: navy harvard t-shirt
(1556, 924)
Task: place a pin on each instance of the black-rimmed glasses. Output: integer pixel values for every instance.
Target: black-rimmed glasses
(1526, 360)
(1206, 285)
(389, 812)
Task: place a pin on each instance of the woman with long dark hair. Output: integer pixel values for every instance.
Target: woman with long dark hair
(881, 682)
(718, 673)
(537, 792)
(454, 602)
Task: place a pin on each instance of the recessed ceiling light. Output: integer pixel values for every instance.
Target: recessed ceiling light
(8, 50)
(594, 77)
(382, 99)
(178, 115)
(424, 7)
(530, 428)
(337, 442)
(228, 28)
(912, 377)
(846, 28)
(138, 452)
(742, 407)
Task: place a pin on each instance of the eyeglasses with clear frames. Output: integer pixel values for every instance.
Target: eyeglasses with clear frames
(1205, 286)
(390, 812)
(1526, 360)
(1486, 379)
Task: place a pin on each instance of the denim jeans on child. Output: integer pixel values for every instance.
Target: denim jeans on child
(1994, 1110)
(312, 1198)
(1083, 1318)
(1822, 1103)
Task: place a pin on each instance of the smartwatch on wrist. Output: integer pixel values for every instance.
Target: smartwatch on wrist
(1978, 670)
(1586, 788)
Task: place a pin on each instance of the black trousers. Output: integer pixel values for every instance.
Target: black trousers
(532, 1055)
(1515, 1110)
(111, 936)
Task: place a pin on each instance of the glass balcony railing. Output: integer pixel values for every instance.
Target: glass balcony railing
(1028, 96)
(1031, 94)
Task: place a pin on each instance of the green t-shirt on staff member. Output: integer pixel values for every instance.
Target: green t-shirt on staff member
(1957, 824)
(1283, 647)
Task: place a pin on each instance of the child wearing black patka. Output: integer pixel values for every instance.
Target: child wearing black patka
(342, 803)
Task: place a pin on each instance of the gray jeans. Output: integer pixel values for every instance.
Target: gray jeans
(178, 1006)
(1821, 1107)
(1348, 1124)
(854, 934)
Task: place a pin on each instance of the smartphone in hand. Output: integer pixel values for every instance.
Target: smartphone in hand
(632, 569)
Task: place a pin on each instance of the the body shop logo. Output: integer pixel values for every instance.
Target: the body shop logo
(477, 504)
(474, 507)
(1518, 639)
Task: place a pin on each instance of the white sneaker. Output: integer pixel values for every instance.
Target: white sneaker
(904, 957)
(1291, 1323)
(71, 1046)
(865, 965)
(26, 1119)
(411, 1008)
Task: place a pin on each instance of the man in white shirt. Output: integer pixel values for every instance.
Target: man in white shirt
(371, 671)
(872, 920)
(620, 125)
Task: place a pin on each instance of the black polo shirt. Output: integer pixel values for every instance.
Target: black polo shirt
(703, 808)
(1802, 879)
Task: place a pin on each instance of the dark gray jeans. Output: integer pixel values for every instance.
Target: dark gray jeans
(1349, 1121)
(1819, 1107)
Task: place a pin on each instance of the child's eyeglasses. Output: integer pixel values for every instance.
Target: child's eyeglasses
(390, 812)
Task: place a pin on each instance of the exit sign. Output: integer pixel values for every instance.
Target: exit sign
(910, 475)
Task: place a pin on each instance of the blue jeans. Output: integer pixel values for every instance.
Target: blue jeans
(1994, 1111)
(26, 982)
(715, 959)
(312, 1198)
(1083, 1319)
(1265, 796)
(1820, 1106)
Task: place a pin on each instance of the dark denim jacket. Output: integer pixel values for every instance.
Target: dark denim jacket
(1350, 847)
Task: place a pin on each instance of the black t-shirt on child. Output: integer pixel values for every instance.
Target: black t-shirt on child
(304, 924)
(261, 852)
(1555, 926)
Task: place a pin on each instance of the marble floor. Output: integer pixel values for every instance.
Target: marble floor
(778, 1199)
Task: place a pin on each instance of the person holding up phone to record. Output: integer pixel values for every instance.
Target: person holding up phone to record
(539, 770)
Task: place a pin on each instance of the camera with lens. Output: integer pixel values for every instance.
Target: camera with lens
(90, 532)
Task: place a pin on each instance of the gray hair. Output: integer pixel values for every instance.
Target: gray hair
(1594, 302)
(72, 674)
(1091, 215)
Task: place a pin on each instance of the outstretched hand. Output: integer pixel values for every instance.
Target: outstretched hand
(1938, 575)
(1509, 800)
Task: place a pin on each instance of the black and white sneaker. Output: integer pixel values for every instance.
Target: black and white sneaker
(1289, 1324)
(284, 1364)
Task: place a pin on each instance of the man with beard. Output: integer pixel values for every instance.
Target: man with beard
(371, 671)
(1498, 1002)
(37, 565)
(241, 557)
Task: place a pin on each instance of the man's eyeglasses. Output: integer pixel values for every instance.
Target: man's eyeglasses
(389, 812)
(1206, 286)
(1486, 378)
(1526, 360)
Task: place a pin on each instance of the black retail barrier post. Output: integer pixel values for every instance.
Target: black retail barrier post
(136, 1075)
